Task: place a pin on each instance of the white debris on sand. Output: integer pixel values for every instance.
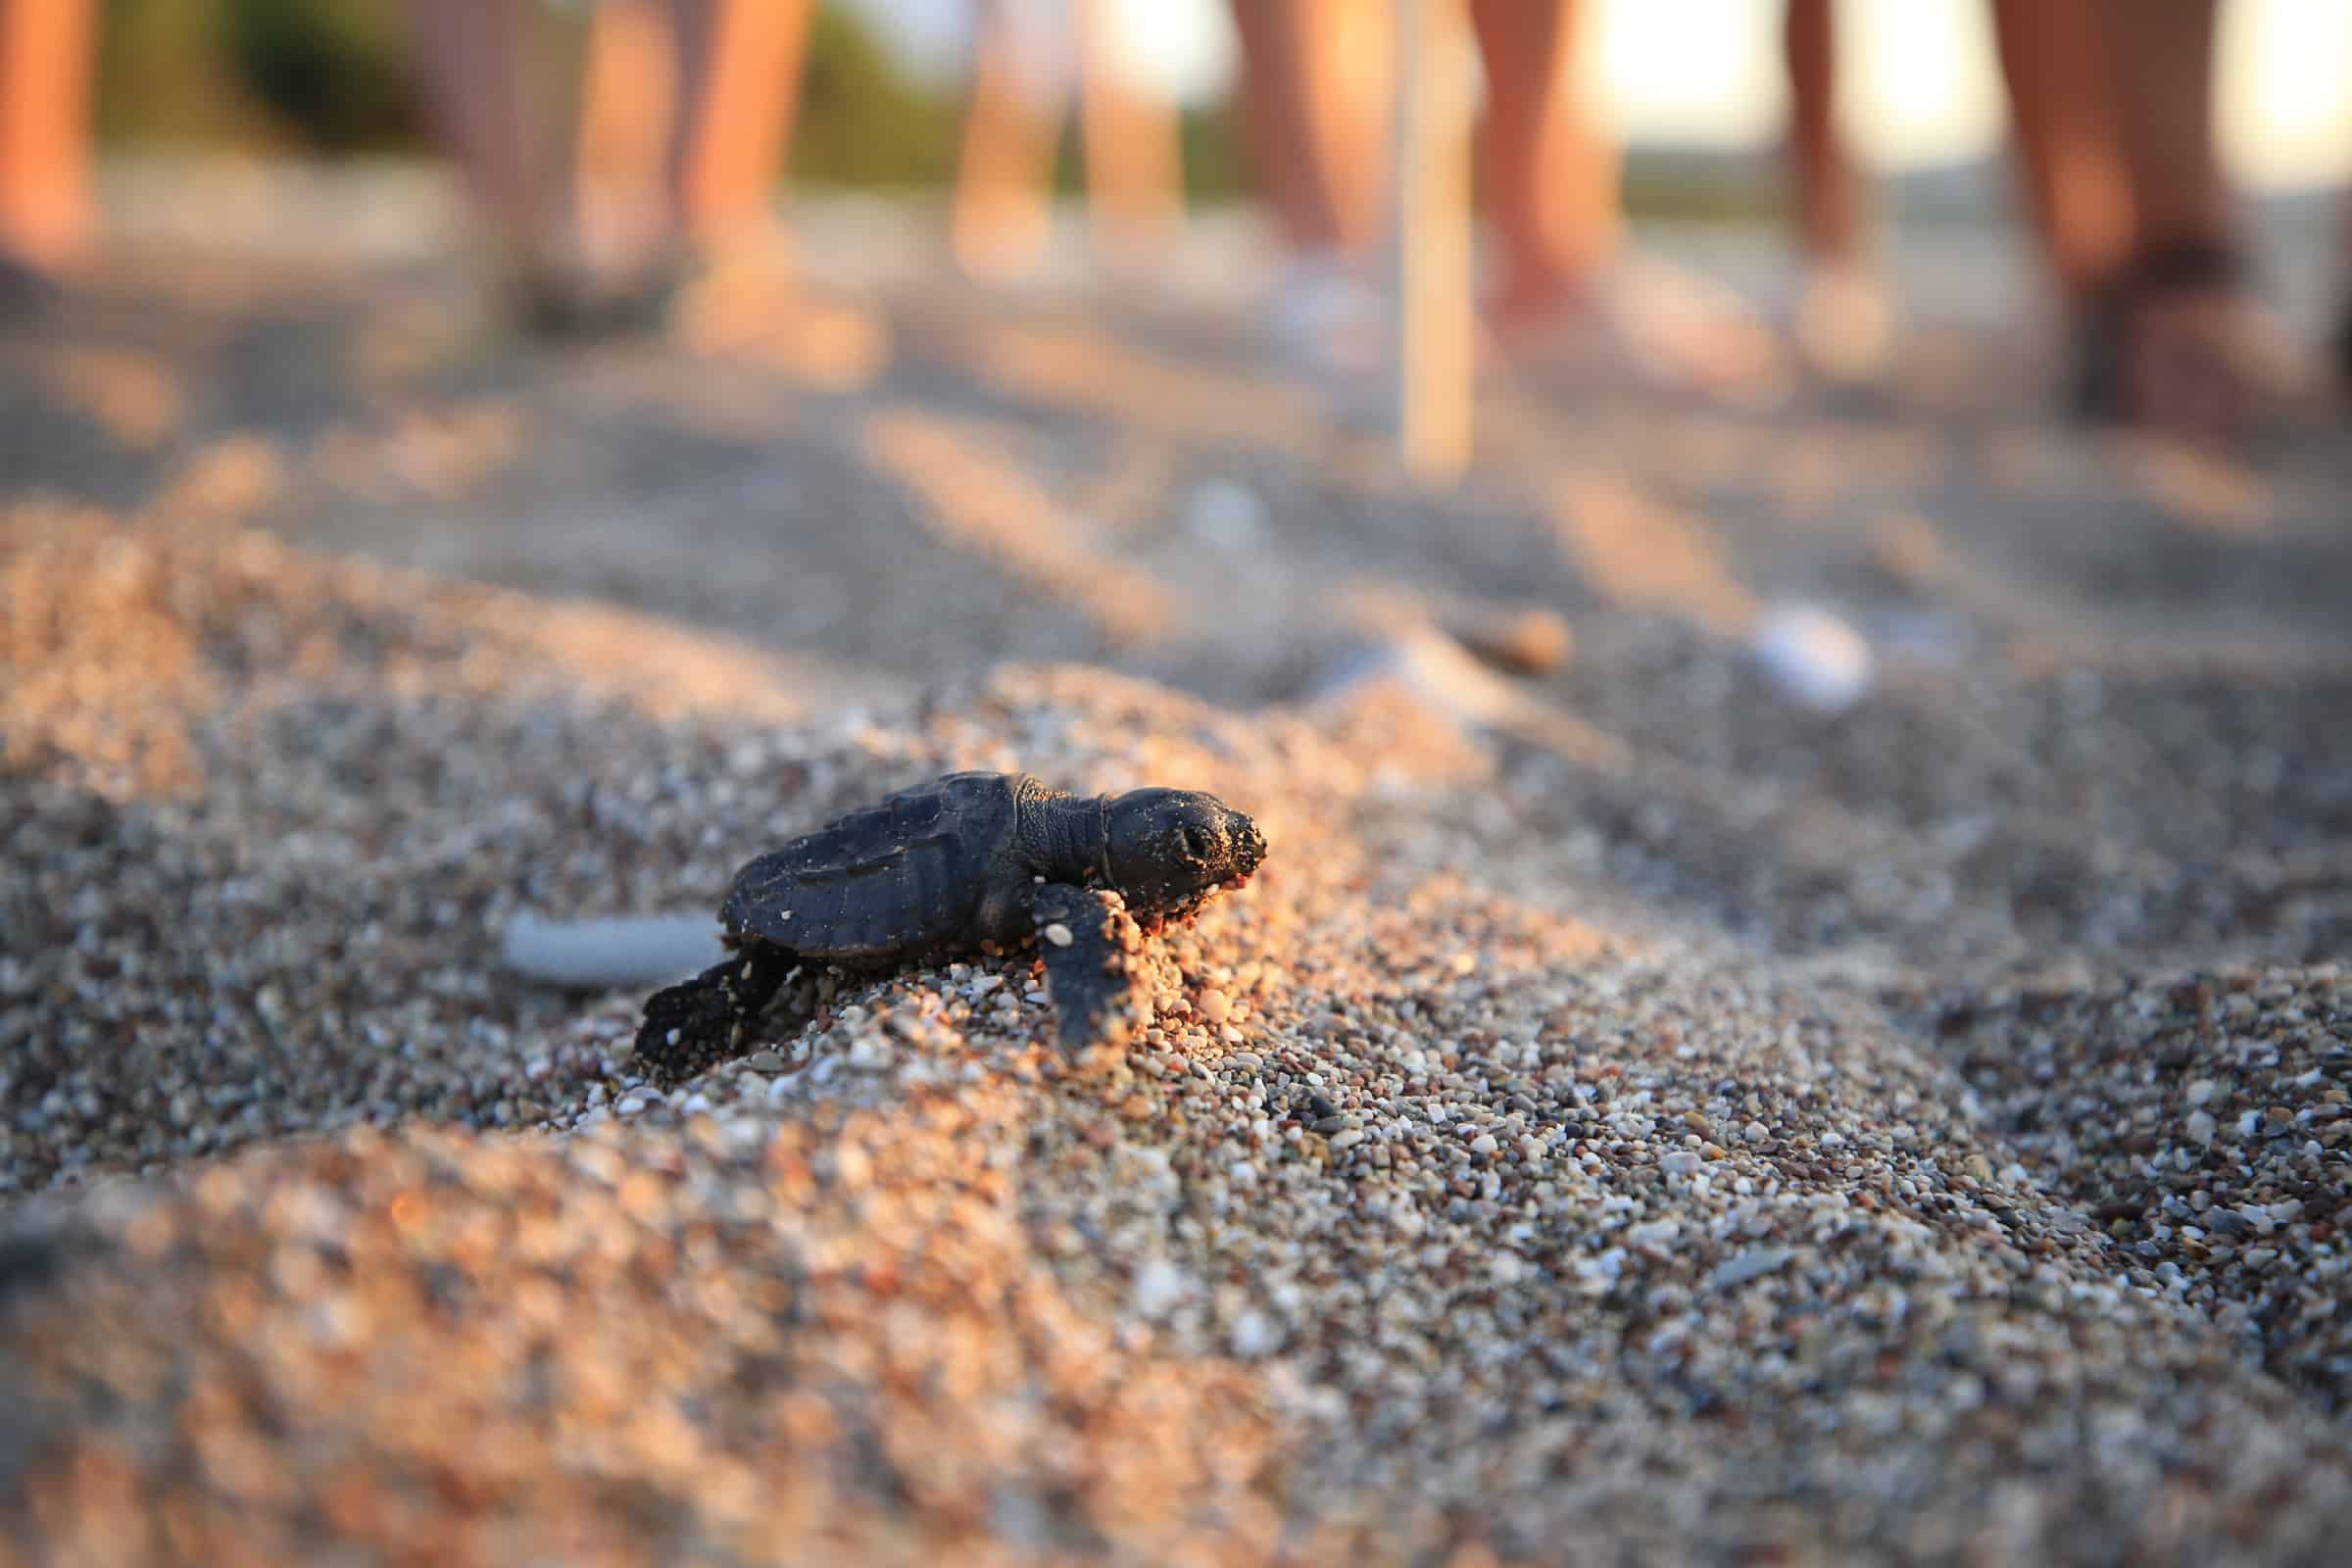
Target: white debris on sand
(617, 951)
(1813, 654)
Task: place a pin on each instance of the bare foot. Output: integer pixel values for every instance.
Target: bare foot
(1643, 320)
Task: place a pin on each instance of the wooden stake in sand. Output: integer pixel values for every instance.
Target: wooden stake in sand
(1429, 286)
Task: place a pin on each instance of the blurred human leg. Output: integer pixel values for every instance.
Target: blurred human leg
(47, 49)
(2342, 345)
(738, 86)
(1134, 162)
(2059, 69)
(1572, 297)
(1551, 180)
(2200, 356)
(1315, 94)
(1001, 216)
(1843, 325)
(2062, 102)
(500, 89)
(1829, 192)
(2163, 51)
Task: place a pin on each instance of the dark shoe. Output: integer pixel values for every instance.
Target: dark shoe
(25, 289)
(561, 303)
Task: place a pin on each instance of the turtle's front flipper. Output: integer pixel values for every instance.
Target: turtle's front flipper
(1087, 940)
(703, 1021)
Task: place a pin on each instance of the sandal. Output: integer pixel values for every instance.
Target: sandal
(2143, 357)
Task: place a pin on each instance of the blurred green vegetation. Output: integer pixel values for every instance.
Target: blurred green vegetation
(863, 120)
(333, 78)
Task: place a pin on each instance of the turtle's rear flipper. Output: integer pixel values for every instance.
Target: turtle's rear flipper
(1088, 942)
(703, 1021)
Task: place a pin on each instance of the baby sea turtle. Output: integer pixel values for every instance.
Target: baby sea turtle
(968, 862)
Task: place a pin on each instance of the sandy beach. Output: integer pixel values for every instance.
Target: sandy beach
(1634, 1116)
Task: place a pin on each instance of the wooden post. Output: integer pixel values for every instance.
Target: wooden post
(1431, 311)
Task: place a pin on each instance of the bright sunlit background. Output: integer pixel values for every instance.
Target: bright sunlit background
(1921, 87)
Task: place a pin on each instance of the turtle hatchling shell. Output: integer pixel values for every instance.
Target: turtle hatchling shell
(907, 874)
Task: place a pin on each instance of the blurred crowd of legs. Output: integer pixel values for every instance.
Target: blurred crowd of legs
(2113, 134)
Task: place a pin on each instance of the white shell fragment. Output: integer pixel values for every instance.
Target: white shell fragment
(621, 951)
(1813, 655)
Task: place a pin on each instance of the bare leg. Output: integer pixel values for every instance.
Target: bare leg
(497, 109)
(2164, 111)
(2344, 325)
(1315, 96)
(1572, 297)
(2199, 354)
(1842, 322)
(1554, 181)
(1829, 192)
(2062, 100)
(1314, 86)
(628, 107)
(739, 78)
(47, 48)
(1002, 214)
(1134, 165)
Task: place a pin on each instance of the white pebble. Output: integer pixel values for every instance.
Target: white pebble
(1215, 1006)
(2200, 1092)
(1254, 1335)
(1813, 655)
(2201, 1127)
(1158, 1286)
(1059, 935)
(1681, 1162)
(1752, 1264)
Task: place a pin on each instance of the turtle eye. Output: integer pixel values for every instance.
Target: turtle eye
(1196, 844)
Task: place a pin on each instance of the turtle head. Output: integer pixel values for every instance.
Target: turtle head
(1168, 850)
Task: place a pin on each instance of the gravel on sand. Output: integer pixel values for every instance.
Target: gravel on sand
(1638, 1123)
